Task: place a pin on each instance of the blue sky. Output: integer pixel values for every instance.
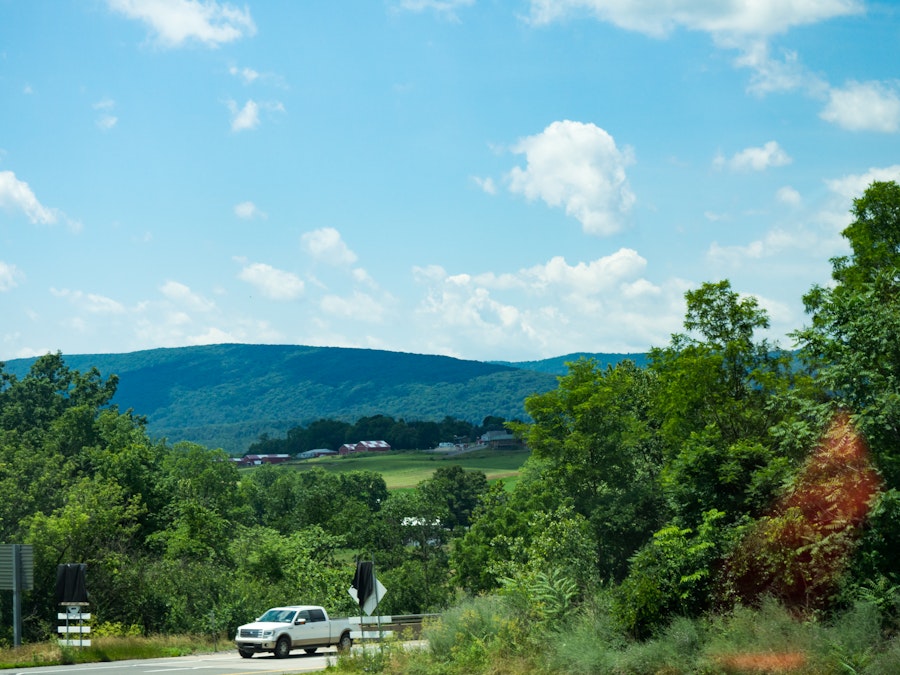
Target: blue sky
(483, 179)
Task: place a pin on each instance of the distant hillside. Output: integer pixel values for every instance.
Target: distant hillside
(557, 364)
(227, 395)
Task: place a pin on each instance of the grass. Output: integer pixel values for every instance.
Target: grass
(404, 470)
(107, 649)
(490, 636)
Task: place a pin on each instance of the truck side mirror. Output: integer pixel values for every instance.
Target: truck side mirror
(300, 621)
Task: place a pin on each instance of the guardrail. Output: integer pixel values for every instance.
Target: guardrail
(380, 627)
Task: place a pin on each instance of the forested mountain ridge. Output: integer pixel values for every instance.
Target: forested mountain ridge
(227, 395)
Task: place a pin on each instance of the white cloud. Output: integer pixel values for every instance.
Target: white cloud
(248, 211)
(10, 275)
(327, 245)
(247, 117)
(446, 8)
(864, 106)
(754, 17)
(248, 75)
(16, 194)
(271, 282)
(359, 306)
(576, 166)
(89, 302)
(244, 118)
(771, 74)
(788, 195)
(105, 120)
(551, 308)
(854, 185)
(183, 295)
(755, 159)
(775, 242)
(486, 184)
(176, 22)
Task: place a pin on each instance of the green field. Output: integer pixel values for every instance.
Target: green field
(403, 470)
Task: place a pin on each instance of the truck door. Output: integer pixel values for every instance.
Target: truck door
(310, 628)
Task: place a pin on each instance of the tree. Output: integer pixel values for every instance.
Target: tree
(852, 346)
(853, 342)
(457, 490)
(597, 434)
(716, 384)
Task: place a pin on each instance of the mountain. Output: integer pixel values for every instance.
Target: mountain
(557, 364)
(228, 395)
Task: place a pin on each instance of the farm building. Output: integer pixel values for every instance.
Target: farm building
(364, 446)
(318, 452)
(256, 460)
(499, 439)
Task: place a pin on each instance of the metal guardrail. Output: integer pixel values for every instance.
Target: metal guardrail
(380, 627)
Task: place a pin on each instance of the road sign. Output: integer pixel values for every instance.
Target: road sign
(8, 564)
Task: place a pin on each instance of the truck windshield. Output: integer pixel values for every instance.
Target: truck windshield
(278, 615)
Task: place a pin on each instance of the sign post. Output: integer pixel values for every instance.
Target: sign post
(16, 575)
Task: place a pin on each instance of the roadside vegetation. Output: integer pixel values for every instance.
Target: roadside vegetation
(730, 507)
(108, 648)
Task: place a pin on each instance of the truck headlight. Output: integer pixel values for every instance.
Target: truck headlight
(268, 633)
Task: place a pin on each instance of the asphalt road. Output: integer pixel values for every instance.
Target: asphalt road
(221, 663)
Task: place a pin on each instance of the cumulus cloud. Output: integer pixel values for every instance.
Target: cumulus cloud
(759, 17)
(248, 211)
(788, 195)
(90, 302)
(578, 167)
(243, 119)
(15, 194)
(772, 74)
(327, 245)
(775, 242)
(358, 305)
(486, 184)
(755, 159)
(854, 185)
(176, 22)
(10, 275)
(271, 282)
(184, 296)
(551, 308)
(864, 106)
(248, 75)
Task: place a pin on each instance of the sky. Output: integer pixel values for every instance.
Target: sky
(485, 179)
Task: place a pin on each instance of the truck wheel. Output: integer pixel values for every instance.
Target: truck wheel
(282, 647)
(245, 653)
(310, 650)
(345, 643)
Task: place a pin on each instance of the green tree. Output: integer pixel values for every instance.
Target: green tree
(853, 342)
(597, 434)
(716, 385)
(458, 491)
(852, 346)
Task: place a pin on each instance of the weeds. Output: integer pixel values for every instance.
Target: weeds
(108, 648)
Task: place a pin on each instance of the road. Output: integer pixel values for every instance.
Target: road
(220, 663)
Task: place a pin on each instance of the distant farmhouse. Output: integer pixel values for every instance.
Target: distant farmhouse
(318, 452)
(256, 460)
(499, 440)
(364, 446)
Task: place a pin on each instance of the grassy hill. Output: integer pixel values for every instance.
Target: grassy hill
(227, 395)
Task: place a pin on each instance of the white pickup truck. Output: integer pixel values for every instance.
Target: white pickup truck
(281, 629)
